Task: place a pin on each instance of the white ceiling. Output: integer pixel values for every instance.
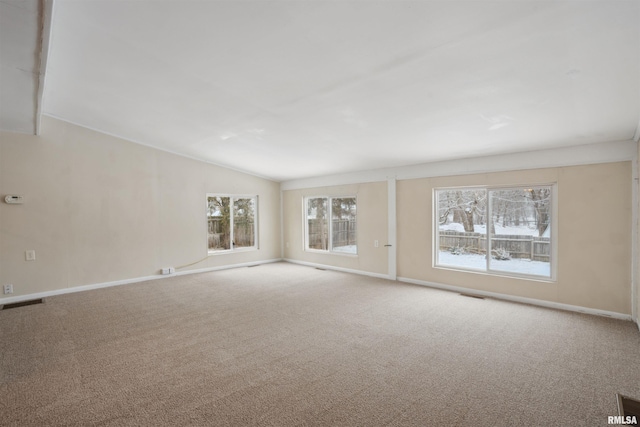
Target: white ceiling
(294, 89)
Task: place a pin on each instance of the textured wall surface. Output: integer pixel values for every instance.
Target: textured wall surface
(99, 209)
(593, 235)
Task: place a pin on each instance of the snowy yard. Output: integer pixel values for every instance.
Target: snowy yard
(479, 262)
(348, 249)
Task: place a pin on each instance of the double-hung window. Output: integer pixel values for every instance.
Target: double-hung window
(501, 230)
(330, 224)
(232, 222)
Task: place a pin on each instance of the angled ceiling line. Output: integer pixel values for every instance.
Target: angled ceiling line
(402, 61)
(45, 12)
(162, 149)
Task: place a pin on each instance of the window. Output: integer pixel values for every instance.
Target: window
(511, 224)
(331, 224)
(231, 222)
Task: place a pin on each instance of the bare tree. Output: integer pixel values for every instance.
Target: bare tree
(220, 223)
(317, 214)
(466, 206)
(541, 198)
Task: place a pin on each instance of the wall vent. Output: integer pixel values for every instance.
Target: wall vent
(628, 407)
(472, 296)
(22, 303)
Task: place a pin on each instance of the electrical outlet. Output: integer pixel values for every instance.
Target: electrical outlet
(8, 289)
(168, 270)
(30, 255)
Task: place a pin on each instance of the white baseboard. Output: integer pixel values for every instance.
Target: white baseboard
(226, 267)
(532, 301)
(20, 298)
(331, 267)
(495, 295)
(524, 300)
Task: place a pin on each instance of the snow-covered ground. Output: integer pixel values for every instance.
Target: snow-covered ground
(475, 261)
(349, 249)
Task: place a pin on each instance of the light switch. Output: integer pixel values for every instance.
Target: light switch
(30, 255)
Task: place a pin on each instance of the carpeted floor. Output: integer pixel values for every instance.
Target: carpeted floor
(282, 345)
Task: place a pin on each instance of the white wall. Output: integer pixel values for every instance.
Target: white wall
(100, 209)
(594, 236)
(371, 225)
(595, 187)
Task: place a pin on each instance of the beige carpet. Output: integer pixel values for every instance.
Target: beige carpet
(281, 345)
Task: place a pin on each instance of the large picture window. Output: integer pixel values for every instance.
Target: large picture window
(330, 224)
(503, 230)
(231, 222)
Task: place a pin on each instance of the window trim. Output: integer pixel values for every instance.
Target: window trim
(233, 249)
(329, 250)
(553, 249)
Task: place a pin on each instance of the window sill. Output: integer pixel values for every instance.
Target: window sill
(494, 273)
(320, 251)
(231, 251)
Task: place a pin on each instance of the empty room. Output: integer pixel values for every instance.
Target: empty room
(319, 213)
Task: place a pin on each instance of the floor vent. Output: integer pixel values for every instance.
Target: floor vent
(22, 303)
(628, 407)
(472, 296)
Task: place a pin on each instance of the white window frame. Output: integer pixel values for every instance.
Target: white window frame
(232, 248)
(553, 262)
(330, 225)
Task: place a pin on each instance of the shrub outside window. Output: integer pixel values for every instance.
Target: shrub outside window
(504, 230)
(231, 222)
(335, 235)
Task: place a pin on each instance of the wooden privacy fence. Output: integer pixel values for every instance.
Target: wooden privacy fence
(219, 233)
(343, 233)
(518, 246)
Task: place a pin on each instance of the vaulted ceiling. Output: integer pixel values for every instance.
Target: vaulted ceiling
(293, 89)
